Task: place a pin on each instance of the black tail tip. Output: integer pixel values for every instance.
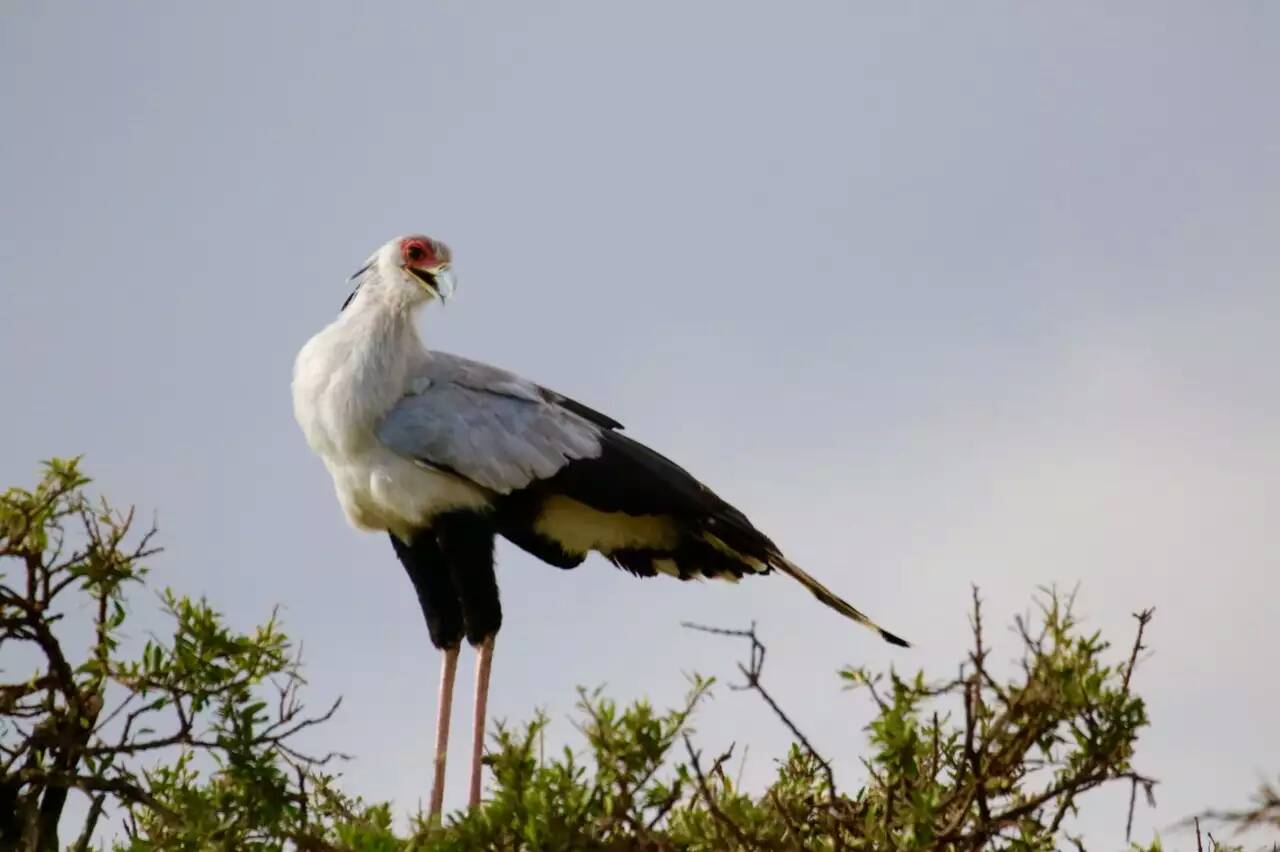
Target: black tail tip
(894, 640)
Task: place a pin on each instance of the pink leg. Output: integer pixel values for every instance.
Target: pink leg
(484, 662)
(444, 709)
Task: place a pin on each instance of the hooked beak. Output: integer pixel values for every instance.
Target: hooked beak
(440, 282)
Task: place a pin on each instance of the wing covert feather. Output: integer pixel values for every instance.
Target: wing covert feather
(444, 366)
(489, 426)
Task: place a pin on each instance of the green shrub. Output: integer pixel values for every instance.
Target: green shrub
(191, 743)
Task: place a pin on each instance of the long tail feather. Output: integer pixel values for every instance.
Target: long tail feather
(829, 598)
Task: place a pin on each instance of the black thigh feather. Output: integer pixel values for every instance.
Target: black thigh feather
(451, 567)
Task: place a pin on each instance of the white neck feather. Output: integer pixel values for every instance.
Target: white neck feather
(348, 376)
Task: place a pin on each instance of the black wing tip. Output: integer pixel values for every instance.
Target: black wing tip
(893, 639)
(584, 411)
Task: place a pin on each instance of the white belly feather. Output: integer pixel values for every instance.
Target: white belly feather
(379, 490)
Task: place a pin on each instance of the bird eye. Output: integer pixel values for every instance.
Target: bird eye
(415, 252)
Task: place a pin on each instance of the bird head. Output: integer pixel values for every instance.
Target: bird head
(407, 270)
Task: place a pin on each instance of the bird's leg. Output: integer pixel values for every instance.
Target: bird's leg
(444, 710)
(466, 540)
(484, 663)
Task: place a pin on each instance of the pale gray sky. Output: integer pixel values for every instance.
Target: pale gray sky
(938, 296)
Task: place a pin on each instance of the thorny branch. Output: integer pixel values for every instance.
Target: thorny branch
(709, 799)
(752, 672)
(1148, 785)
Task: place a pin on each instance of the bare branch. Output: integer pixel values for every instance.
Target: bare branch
(712, 808)
(752, 672)
(1144, 618)
(90, 823)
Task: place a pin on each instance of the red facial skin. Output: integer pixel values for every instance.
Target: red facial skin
(423, 252)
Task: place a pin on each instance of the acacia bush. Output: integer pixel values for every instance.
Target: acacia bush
(188, 742)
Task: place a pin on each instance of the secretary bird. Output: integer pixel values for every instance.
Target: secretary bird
(444, 453)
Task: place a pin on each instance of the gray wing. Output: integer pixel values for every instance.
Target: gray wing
(490, 426)
(444, 366)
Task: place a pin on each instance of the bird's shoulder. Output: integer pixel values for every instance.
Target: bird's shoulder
(444, 369)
